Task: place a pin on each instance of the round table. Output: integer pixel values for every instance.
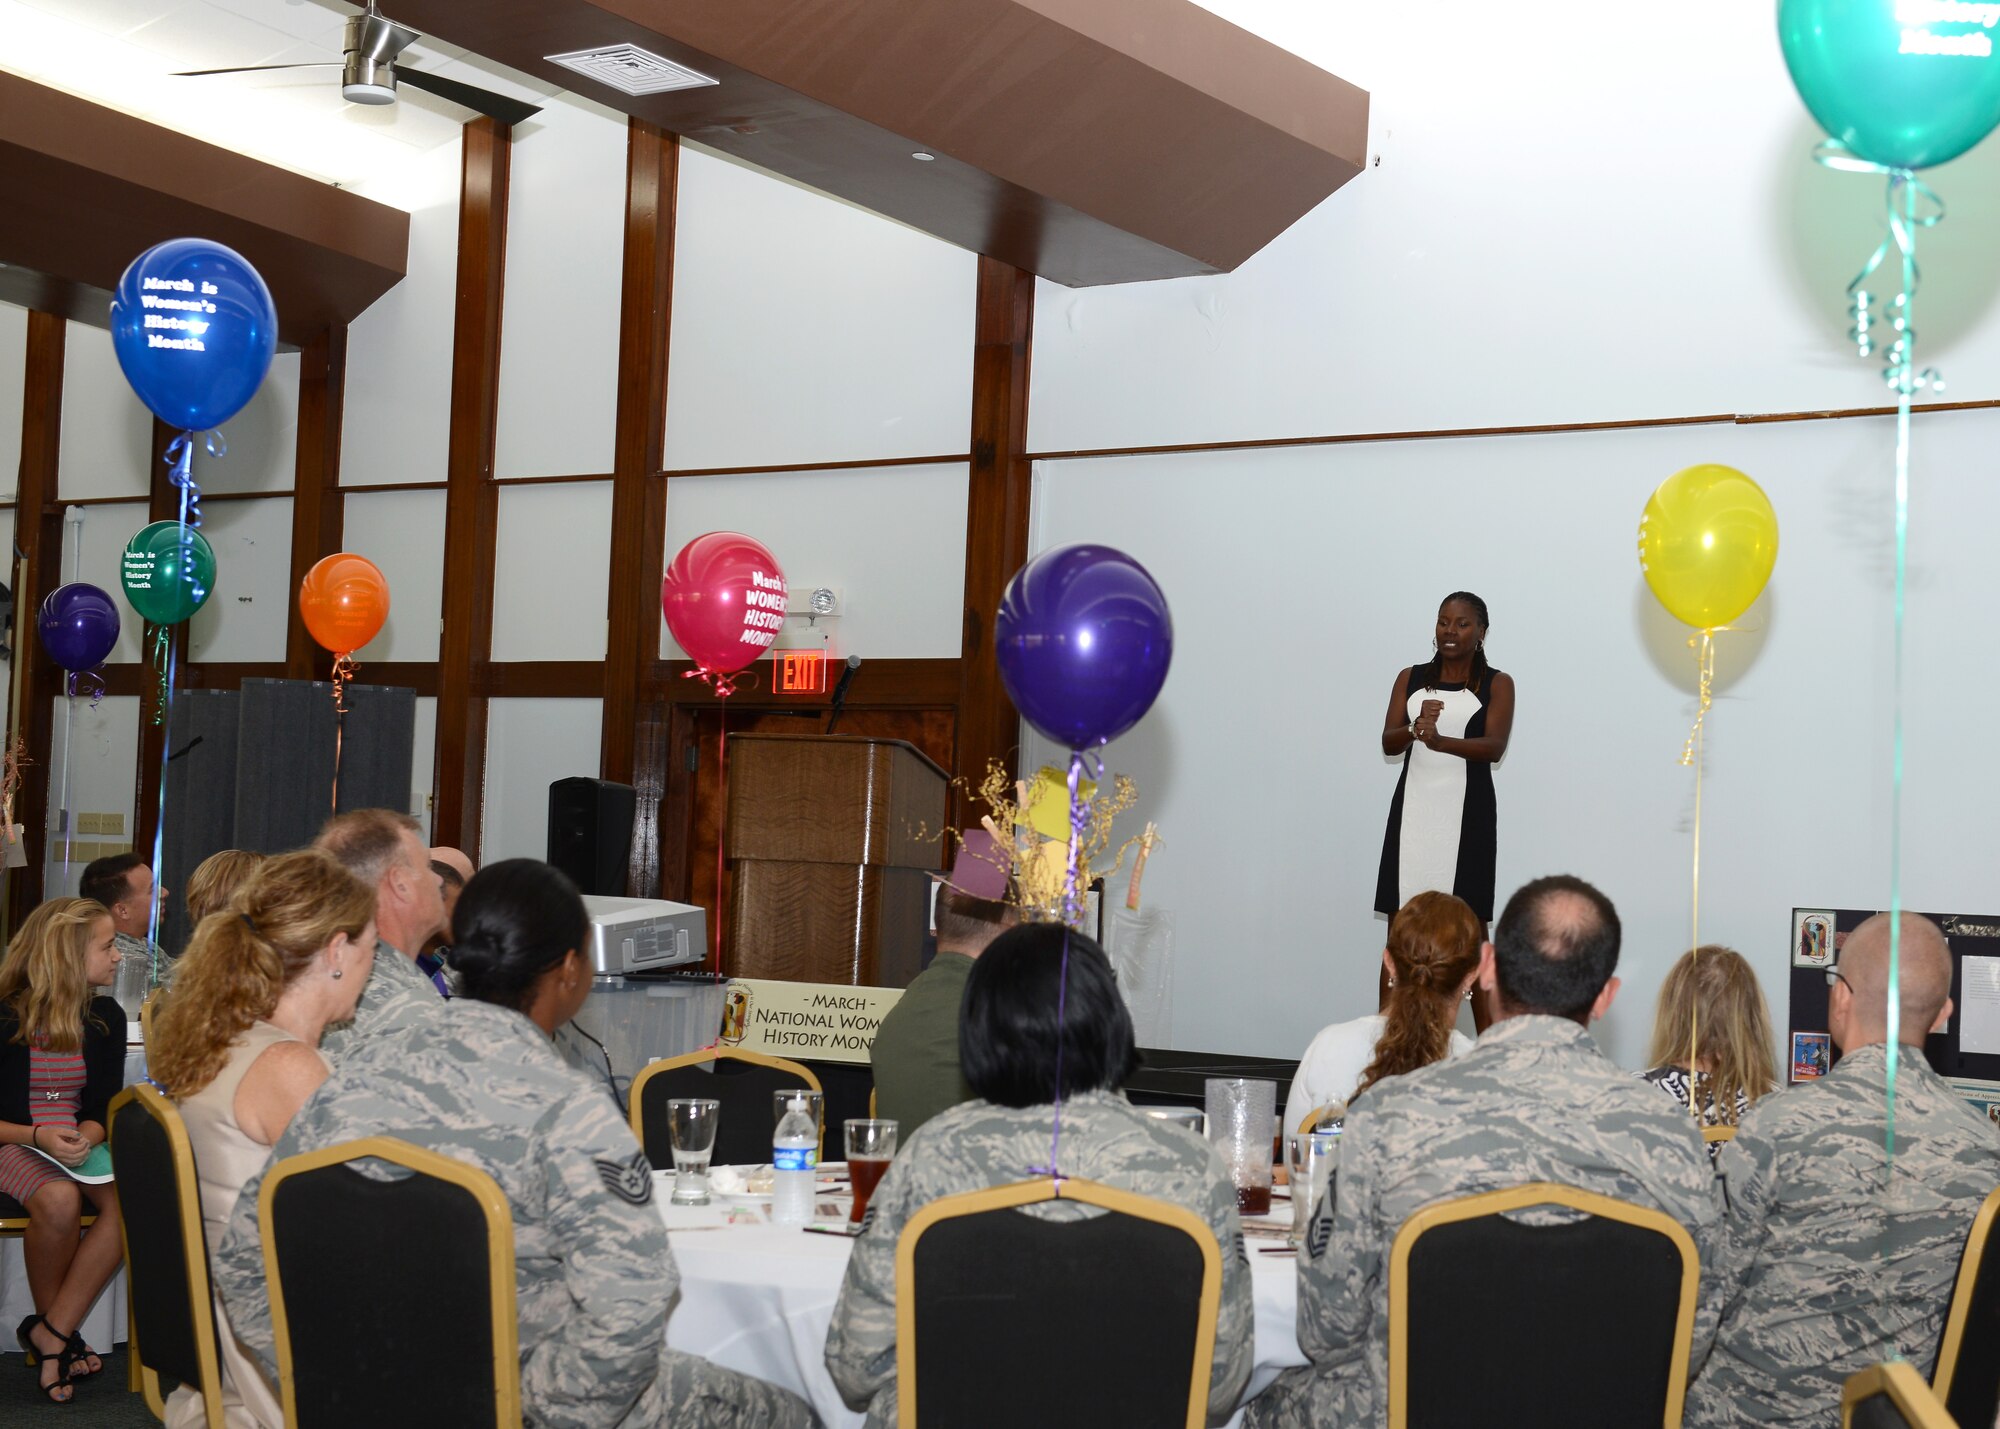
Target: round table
(758, 1298)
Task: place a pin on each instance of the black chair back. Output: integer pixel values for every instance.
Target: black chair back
(743, 1135)
(393, 1299)
(1502, 1322)
(1968, 1362)
(1007, 1318)
(166, 1249)
(1891, 1396)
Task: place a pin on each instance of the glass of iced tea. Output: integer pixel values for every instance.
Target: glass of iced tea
(1242, 1121)
(871, 1146)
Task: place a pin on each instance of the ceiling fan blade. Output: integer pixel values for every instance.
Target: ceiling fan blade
(252, 69)
(485, 101)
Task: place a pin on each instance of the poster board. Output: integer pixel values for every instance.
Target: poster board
(1966, 1053)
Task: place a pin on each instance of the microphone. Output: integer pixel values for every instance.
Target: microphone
(840, 691)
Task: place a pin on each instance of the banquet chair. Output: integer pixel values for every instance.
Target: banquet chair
(401, 1307)
(1331, 1117)
(173, 1330)
(742, 1081)
(1120, 1309)
(1891, 1396)
(1492, 1320)
(1712, 1134)
(1969, 1384)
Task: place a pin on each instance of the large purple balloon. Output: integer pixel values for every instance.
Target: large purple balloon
(1084, 641)
(79, 625)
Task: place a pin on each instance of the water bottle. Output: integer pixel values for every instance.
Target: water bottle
(794, 1167)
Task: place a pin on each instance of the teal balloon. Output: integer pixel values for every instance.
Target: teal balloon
(1903, 83)
(165, 578)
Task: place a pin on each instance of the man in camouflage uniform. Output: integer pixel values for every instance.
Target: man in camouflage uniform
(1830, 1263)
(594, 1272)
(977, 1145)
(385, 850)
(1534, 1100)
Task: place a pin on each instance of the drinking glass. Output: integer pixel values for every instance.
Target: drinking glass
(871, 1146)
(691, 1125)
(1242, 1126)
(1310, 1158)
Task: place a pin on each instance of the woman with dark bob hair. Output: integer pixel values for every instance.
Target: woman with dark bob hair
(593, 1272)
(1037, 987)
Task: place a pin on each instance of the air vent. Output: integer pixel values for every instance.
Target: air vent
(631, 70)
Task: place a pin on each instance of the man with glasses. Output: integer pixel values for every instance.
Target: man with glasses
(1832, 1259)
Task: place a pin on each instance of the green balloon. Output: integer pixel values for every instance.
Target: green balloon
(1903, 83)
(165, 581)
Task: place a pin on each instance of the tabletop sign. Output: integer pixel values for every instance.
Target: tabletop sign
(825, 1021)
(798, 672)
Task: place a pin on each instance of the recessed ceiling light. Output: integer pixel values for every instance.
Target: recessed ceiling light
(921, 157)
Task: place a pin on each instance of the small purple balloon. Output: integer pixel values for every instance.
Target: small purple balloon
(78, 625)
(1084, 640)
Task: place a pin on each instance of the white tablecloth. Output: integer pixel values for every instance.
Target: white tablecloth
(759, 1298)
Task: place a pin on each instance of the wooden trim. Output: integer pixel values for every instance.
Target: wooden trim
(539, 679)
(163, 504)
(317, 508)
(471, 499)
(1712, 419)
(38, 534)
(398, 486)
(997, 511)
(878, 684)
(639, 504)
(601, 476)
(953, 459)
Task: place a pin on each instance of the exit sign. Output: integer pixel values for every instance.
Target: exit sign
(798, 672)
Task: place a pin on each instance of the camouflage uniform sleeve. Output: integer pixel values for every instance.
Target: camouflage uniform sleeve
(238, 1269)
(861, 1342)
(1748, 1173)
(1235, 1324)
(1340, 1273)
(617, 1264)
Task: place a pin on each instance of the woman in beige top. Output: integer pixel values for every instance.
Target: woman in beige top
(235, 1043)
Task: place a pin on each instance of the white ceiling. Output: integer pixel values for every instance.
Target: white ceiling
(123, 54)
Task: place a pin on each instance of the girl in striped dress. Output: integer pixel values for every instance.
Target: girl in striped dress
(62, 1059)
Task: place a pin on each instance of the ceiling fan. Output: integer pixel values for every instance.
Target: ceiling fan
(369, 74)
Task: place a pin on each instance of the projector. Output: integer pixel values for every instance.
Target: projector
(634, 935)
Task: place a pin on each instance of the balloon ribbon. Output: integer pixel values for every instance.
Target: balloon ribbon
(1912, 204)
(86, 682)
(343, 671)
(1072, 914)
(1692, 753)
(724, 684)
(180, 456)
(181, 451)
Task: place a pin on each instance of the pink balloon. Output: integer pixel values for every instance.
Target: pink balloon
(724, 599)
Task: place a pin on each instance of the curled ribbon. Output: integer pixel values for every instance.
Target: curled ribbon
(723, 683)
(1072, 910)
(163, 667)
(180, 456)
(1704, 647)
(1912, 204)
(343, 671)
(86, 682)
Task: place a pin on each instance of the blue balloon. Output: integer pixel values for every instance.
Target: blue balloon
(1084, 640)
(78, 625)
(194, 329)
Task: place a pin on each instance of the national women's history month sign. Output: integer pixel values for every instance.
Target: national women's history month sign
(827, 1022)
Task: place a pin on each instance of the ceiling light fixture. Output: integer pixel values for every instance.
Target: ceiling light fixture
(631, 70)
(921, 157)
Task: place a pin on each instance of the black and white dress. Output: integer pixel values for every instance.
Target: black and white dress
(1441, 832)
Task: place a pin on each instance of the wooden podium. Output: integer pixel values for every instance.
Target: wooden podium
(831, 881)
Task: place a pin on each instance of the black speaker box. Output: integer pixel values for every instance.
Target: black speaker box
(590, 832)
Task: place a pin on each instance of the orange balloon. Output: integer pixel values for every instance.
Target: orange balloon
(344, 601)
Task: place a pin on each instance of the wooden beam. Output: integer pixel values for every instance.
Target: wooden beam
(38, 535)
(638, 497)
(316, 498)
(471, 498)
(996, 515)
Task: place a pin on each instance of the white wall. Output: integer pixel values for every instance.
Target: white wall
(808, 330)
(1582, 212)
(107, 433)
(1301, 580)
(531, 743)
(550, 554)
(559, 327)
(247, 614)
(105, 741)
(13, 375)
(261, 440)
(890, 540)
(402, 532)
(396, 417)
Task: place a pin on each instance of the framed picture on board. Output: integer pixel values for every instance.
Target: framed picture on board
(1812, 937)
(1812, 1053)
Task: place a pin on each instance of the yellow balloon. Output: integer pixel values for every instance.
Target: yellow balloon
(1707, 543)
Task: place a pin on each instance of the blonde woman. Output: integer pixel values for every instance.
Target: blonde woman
(216, 880)
(62, 1059)
(235, 1042)
(1711, 1005)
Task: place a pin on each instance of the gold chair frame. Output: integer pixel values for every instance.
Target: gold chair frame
(499, 1248)
(1517, 1198)
(1718, 1133)
(1961, 1296)
(1906, 1389)
(1028, 1193)
(714, 1054)
(201, 1293)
